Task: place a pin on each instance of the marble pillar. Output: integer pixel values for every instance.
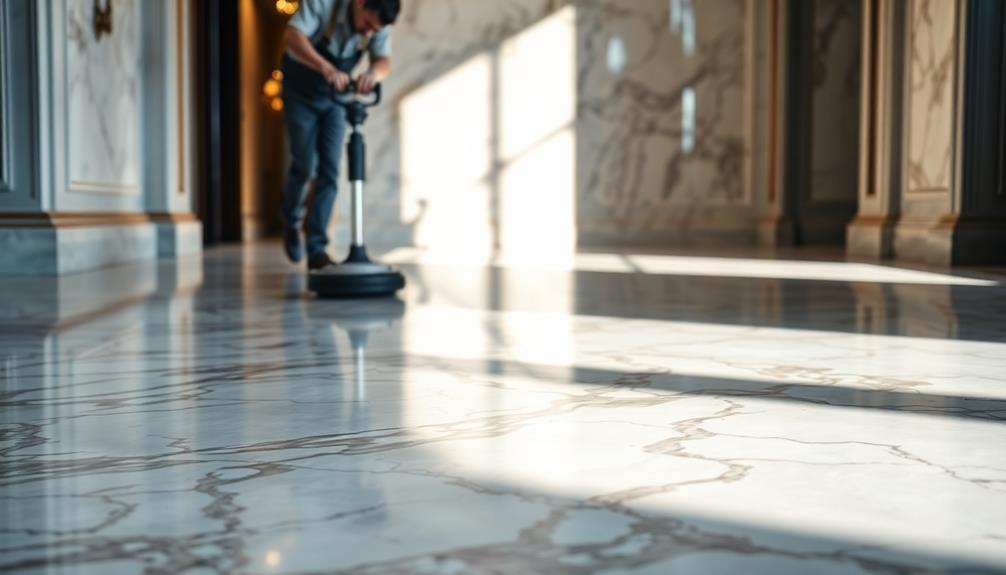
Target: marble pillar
(933, 42)
(933, 75)
(871, 234)
(953, 206)
(169, 163)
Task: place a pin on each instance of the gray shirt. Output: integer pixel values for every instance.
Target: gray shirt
(312, 19)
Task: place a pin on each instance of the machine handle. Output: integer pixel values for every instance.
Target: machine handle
(351, 88)
(377, 95)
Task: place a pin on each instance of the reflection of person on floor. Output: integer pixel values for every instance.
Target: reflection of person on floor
(325, 40)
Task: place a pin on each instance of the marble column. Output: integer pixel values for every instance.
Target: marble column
(169, 175)
(871, 234)
(953, 202)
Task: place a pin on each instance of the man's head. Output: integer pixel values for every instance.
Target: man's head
(369, 16)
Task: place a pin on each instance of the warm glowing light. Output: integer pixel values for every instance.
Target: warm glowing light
(272, 88)
(273, 558)
(287, 7)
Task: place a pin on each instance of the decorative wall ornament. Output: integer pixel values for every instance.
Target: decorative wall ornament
(102, 18)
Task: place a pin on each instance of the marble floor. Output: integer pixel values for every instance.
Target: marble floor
(615, 414)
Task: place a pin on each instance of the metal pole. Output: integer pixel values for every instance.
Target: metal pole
(357, 206)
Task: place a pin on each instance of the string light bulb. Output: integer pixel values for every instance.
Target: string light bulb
(272, 89)
(287, 7)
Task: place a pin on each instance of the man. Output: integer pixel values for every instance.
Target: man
(325, 40)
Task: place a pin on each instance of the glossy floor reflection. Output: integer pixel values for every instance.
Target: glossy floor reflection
(207, 417)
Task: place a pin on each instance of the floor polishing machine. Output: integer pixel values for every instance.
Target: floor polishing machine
(357, 276)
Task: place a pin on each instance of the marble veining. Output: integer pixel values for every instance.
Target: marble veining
(631, 115)
(932, 80)
(103, 90)
(668, 130)
(504, 420)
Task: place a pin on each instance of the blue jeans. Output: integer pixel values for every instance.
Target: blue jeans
(316, 127)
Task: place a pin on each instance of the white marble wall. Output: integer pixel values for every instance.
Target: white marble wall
(930, 93)
(103, 98)
(433, 149)
(531, 124)
(663, 137)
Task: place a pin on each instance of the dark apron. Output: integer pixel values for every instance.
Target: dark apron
(307, 81)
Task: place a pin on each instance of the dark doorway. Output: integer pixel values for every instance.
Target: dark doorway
(824, 91)
(218, 120)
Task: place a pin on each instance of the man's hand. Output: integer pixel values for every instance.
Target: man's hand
(335, 77)
(301, 47)
(365, 83)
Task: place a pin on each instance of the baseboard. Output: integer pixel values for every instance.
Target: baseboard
(952, 240)
(63, 243)
(871, 236)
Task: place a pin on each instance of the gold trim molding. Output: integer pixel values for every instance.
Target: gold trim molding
(174, 217)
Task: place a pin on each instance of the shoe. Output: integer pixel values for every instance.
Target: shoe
(292, 245)
(319, 261)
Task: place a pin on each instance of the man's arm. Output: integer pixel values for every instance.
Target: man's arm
(380, 61)
(379, 69)
(301, 48)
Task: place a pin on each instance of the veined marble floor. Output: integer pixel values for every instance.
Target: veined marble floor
(638, 414)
